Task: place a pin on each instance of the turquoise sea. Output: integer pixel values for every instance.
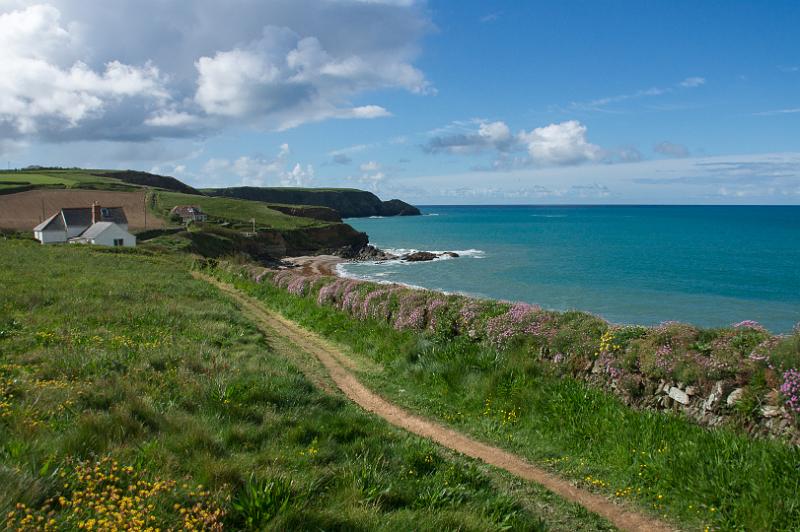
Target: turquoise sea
(707, 265)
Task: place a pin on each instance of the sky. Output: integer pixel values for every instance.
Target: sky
(437, 102)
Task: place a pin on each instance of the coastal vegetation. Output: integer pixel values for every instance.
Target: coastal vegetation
(132, 394)
(236, 212)
(348, 202)
(20, 181)
(13, 181)
(123, 377)
(532, 381)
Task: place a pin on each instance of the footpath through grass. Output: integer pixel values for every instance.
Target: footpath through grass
(132, 394)
(696, 477)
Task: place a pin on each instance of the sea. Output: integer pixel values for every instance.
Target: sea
(711, 266)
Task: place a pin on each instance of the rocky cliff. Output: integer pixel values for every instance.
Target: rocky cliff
(349, 203)
(214, 241)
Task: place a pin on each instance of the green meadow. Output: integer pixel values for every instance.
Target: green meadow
(238, 213)
(662, 463)
(131, 393)
(11, 181)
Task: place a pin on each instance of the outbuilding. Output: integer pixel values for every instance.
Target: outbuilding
(188, 213)
(105, 234)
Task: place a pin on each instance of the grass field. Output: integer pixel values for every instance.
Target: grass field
(662, 463)
(132, 393)
(23, 179)
(237, 212)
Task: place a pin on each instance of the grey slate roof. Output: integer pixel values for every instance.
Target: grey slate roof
(95, 230)
(81, 217)
(54, 223)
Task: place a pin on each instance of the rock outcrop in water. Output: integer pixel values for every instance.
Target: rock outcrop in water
(422, 256)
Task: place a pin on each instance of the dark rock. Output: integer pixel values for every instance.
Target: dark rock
(395, 207)
(371, 253)
(420, 256)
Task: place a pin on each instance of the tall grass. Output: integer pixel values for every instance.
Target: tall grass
(120, 373)
(662, 462)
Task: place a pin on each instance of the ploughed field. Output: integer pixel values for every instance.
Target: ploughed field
(132, 393)
(22, 211)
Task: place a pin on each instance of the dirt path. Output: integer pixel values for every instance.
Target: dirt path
(336, 363)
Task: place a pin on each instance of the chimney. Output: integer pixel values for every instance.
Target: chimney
(96, 213)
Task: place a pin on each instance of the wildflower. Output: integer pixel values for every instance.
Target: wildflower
(790, 389)
(749, 324)
(501, 329)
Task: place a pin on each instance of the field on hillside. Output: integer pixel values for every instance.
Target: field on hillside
(24, 210)
(238, 212)
(132, 394)
(662, 462)
(23, 179)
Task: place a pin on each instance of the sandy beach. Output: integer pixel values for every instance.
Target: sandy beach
(317, 264)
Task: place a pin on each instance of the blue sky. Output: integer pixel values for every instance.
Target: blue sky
(433, 102)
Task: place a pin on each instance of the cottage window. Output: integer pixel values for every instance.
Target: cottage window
(119, 242)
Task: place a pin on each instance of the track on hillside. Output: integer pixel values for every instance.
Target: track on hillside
(337, 363)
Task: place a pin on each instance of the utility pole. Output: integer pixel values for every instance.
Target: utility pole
(42, 209)
(144, 201)
(254, 225)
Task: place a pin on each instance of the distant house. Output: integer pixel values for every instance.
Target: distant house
(102, 226)
(188, 213)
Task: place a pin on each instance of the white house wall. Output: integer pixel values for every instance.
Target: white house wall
(50, 237)
(107, 237)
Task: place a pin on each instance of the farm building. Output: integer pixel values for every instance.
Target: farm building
(102, 226)
(188, 213)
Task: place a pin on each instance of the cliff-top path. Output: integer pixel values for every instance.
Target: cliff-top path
(338, 367)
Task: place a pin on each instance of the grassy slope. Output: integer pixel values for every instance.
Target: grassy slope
(237, 211)
(59, 178)
(110, 357)
(301, 189)
(663, 463)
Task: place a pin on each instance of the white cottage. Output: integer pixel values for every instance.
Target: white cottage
(102, 226)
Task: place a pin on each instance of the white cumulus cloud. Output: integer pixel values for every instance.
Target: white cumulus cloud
(138, 70)
(261, 171)
(560, 144)
(40, 86)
